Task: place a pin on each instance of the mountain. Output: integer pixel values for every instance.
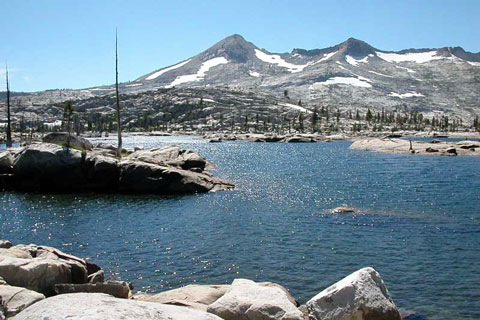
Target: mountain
(352, 74)
(348, 76)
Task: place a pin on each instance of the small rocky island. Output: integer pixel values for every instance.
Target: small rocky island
(51, 166)
(434, 147)
(41, 282)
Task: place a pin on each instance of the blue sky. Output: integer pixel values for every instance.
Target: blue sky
(70, 44)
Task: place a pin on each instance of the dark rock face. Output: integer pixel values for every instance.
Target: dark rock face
(52, 168)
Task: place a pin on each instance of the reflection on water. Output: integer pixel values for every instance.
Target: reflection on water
(418, 223)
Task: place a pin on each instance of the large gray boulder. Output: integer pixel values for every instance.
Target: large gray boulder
(15, 299)
(247, 300)
(39, 268)
(142, 177)
(118, 289)
(360, 296)
(61, 139)
(6, 162)
(50, 166)
(192, 296)
(170, 156)
(93, 306)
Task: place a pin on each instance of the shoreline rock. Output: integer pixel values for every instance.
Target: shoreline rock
(47, 167)
(78, 306)
(360, 296)
(435, 147)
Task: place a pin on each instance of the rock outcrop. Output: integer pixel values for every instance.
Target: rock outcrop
(360, 296)
(63, 139)
(80, 306)
(49, 167)
(247, 300)
(40, 268)
(193, 296)
(118, 289)
(436, 147)
(15, 299)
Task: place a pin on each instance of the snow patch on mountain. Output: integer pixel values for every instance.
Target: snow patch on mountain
(133, 85)
(200, 75)
(406, 95)
(475, 64)
(276, 59)
(254, 74)
(340, 65)
(294, 106)
(160, 72)
(325, 57)
(354, 62)
(407, 69)
(363, 82)
(381, 74)
(418, 57)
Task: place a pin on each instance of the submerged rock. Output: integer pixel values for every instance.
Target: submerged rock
(80, 306)
(360, 296)
(247, 300)
(343, 210)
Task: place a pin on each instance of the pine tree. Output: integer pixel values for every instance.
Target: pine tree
(67, 120)
(314, 119)
(300, 121)
(369, 116)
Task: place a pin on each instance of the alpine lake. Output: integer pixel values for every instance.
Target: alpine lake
(416, 221)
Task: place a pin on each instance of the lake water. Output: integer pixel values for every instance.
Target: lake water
(418, 224)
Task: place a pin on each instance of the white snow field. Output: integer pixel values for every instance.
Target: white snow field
(200, 74)
(160, 72)
(254, 74)
(406, 95)
(325, 57)
(418, 57)
(354, 62)
(346, 80)
(276, 59)
(294, 106)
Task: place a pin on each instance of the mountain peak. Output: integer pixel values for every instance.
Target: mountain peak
(356, 48)
(233, 47)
